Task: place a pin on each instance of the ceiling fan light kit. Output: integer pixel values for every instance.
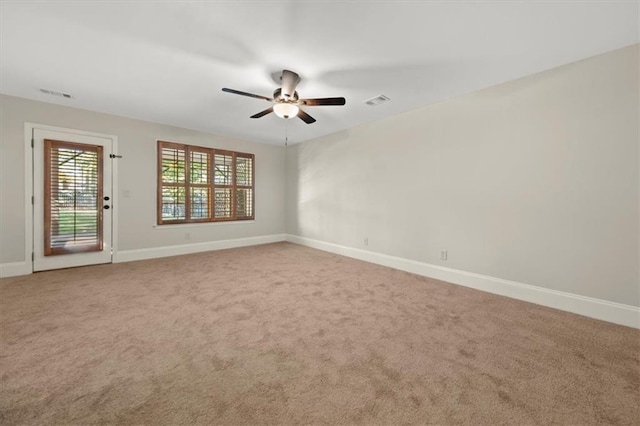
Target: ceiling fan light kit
(286, 110)
(286, 101)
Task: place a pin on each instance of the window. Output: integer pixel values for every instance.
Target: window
(198, 184)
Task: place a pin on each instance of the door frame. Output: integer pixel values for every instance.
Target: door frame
(29, 185)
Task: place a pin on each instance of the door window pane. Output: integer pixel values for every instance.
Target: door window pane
(73, 190)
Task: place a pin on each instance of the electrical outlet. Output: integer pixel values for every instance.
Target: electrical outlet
(443, 255)
(187, 235)
(366, 241)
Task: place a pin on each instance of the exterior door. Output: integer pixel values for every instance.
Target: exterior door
(72, 200)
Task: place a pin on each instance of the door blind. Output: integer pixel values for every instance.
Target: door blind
(73, 198)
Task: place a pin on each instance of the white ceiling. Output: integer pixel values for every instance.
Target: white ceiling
(166, 61)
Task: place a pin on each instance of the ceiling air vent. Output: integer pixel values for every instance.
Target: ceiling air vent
(56, 93)
(376, 100)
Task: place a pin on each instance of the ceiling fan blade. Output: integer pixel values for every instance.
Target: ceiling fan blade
(323, 101)
(306, 117)
(251, 95)
(289, 82)
(263, 113)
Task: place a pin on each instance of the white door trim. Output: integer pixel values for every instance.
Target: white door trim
(29, 189)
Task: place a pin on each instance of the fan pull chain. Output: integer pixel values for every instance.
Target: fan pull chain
(286, 133)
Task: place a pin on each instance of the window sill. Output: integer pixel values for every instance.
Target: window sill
(202, 224)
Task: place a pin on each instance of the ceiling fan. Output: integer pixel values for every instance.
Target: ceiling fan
(286, 101)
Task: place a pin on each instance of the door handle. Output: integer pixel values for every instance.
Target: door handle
(106, 207)
(106, 198)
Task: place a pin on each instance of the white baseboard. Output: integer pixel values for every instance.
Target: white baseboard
(588, 306)
(25, 268)
(14, 269)
(153, 252)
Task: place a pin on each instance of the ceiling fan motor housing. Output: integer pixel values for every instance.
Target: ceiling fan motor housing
(289, 81)
(278, 96)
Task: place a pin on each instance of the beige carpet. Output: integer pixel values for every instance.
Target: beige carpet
(282, 334)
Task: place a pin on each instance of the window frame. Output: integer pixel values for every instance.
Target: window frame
(211, 185)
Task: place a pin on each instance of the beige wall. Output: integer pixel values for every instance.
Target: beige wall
(136, 174)
(534, 181)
